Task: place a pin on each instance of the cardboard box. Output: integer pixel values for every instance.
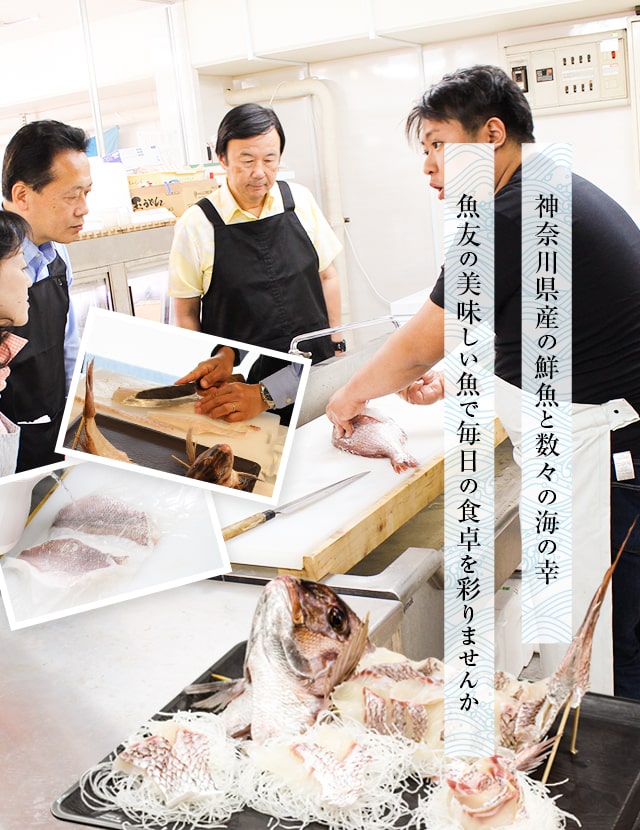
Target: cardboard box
(151, 177)
(175, 196)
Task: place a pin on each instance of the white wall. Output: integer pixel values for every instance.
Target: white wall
(384, 195)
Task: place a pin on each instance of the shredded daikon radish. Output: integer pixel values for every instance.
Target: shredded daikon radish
(345, 777)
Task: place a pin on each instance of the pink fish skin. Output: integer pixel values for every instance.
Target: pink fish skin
(69, 556)
(377, 436)
(103, 516)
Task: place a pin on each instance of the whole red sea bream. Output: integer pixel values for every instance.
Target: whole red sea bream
(375, 435)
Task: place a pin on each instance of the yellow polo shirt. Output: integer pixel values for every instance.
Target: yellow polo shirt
(193, 246)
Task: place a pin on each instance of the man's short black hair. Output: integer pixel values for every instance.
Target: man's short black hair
(247, 121)
(473, 96)
(31, 153)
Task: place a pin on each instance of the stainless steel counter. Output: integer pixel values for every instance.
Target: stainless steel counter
(72, 689)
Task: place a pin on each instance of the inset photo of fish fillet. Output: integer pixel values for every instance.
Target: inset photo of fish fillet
(101, 535)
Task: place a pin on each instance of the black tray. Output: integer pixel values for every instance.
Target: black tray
(151, 448)
(70, 806)
(603, 786)
(602, 790)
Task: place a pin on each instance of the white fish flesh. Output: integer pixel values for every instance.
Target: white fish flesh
(375, 435)
(103, 516)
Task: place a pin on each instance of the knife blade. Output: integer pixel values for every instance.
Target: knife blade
(170, 395)
(164, 395)
(235, 529)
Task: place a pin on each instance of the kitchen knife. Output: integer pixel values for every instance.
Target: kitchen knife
(259, 518)
(164, 395)
(169, 395)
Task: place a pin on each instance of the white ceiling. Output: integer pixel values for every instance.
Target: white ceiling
(30, 18)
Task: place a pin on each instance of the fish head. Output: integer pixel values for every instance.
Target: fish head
(309, 632)
(214, 465)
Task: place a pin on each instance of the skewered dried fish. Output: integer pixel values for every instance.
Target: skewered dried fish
(89, 436)
(375, 435)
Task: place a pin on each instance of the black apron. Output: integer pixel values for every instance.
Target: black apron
(266, 288)
(36, 385)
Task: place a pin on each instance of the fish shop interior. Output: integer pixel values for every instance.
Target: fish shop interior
(150, 82)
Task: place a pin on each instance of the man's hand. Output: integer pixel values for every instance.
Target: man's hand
(427, 389)
(232, 402)
(210, 373)
(342, 409)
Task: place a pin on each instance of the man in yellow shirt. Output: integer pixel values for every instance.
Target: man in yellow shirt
(253, 261)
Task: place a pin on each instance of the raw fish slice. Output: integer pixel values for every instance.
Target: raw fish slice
(179, 766)
(377, 436)
(66, 556)
(102, 516)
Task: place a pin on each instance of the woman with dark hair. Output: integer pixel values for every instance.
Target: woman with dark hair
(14, 311)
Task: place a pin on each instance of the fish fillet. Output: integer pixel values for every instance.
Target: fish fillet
(103, 516)
(68, 556)
(377, 436)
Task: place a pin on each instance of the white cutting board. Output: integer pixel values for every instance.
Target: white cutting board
(261, 444)
(314, 462)
(189, 545)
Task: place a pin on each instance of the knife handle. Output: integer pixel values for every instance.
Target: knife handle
(237, 528)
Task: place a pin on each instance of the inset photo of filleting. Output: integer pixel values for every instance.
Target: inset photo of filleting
(88, 535)
(181, 404)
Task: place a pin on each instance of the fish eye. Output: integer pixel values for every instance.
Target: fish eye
(337, 619)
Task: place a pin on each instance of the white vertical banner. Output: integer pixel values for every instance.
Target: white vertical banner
(469, 450)
(546, 500)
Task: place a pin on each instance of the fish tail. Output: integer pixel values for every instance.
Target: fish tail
(224, 691)
(89, 402)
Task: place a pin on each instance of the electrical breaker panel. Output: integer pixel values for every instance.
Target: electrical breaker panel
(572, 72)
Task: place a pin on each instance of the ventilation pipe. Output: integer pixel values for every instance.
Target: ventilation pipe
(328, 151)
